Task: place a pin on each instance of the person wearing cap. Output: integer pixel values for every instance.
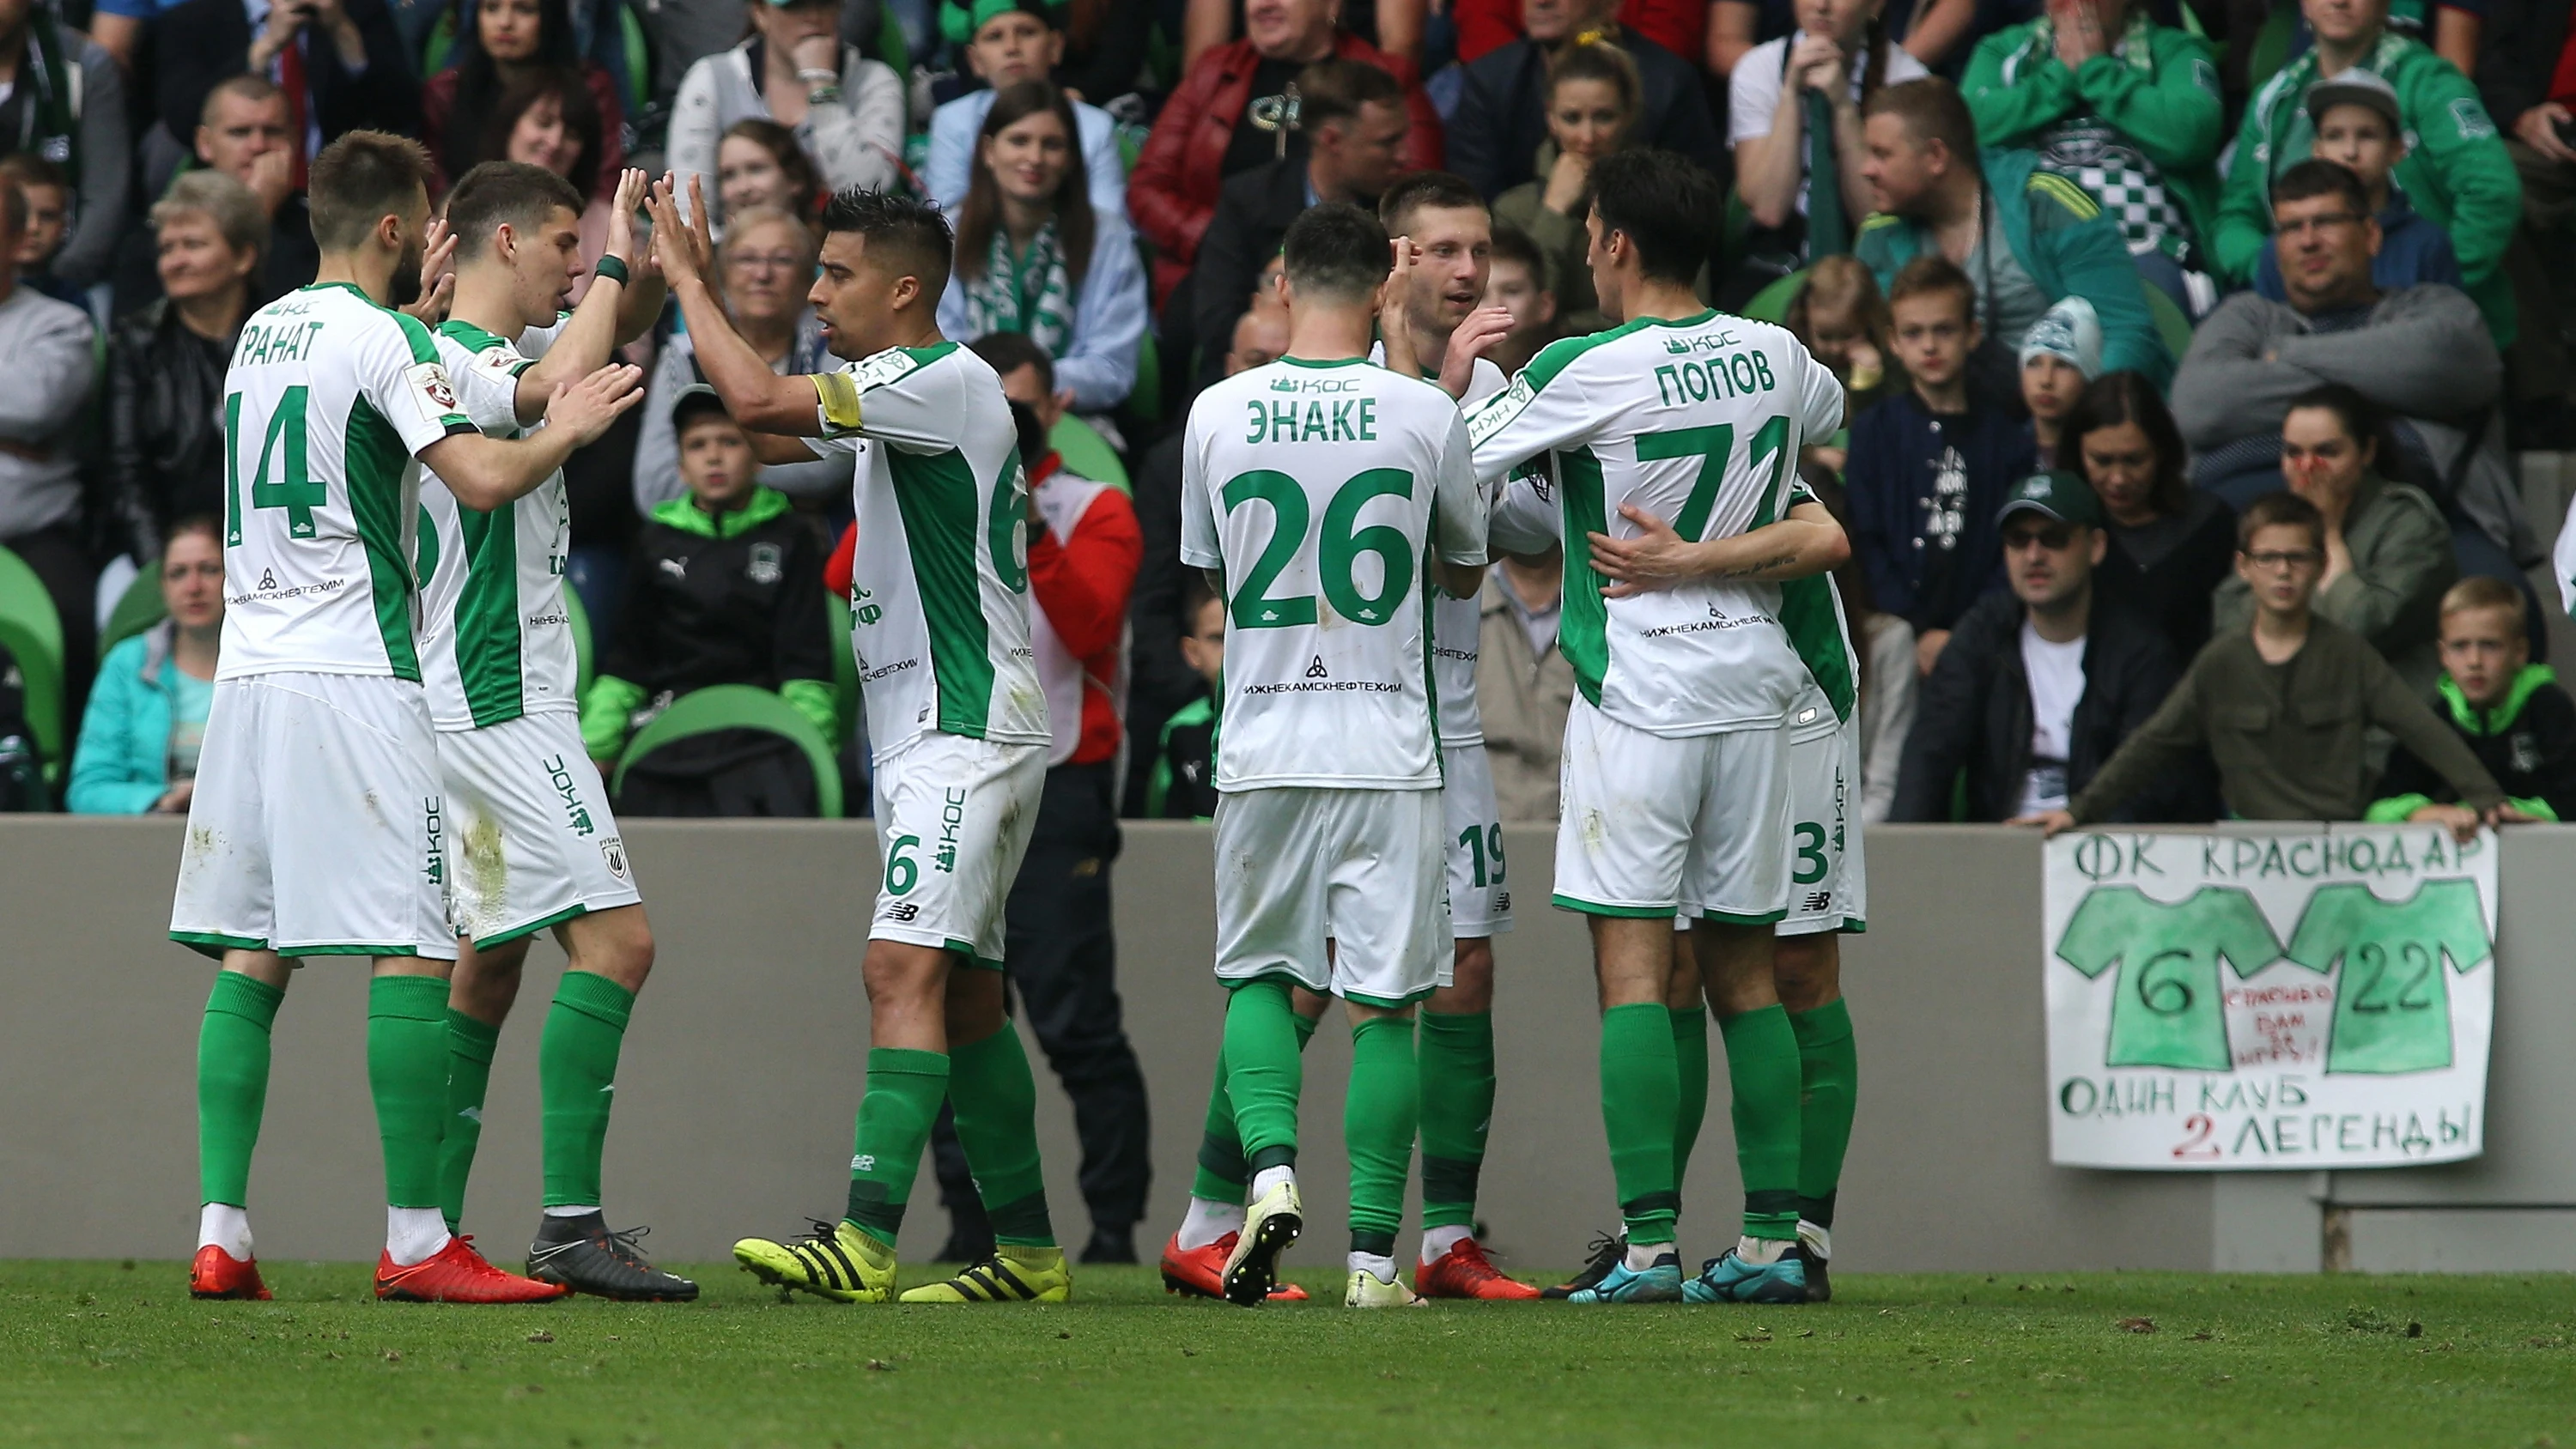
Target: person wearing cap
(2060, 353)
(847, 111)
(2355, 115)
(2039, 684)
(726, 587)
(2283, 705)
(1006, 41)
(2456, 172)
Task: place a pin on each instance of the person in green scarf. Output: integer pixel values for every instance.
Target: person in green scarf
(63, 99)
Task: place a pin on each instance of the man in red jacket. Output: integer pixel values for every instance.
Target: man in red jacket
(1231, 114)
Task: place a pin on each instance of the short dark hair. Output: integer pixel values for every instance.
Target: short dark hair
(1415, 190)
(1196, 595)
(1930, 274)
(505, 193)
(2359, 416)
(1670, 209)
(1335, 249)
(907, 232)
(1334, 90)
(2127, 397)
(1008, 352)
(29, 169)
(1933, 110)
(207, 524)
(257, 89)
(360, 179)
(2316, 177)
(1511, 244)
(2280, 510)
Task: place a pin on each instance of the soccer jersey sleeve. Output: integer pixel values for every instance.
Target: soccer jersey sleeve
(1458, 509)
(1546, 407)
(1524, 519)
(486, 377)
(1820, 400)
(896, 397)
(398, 373)
(2237, 928)
(1199, 544)
(2097, 934)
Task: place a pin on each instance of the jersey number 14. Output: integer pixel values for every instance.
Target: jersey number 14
(294, 489)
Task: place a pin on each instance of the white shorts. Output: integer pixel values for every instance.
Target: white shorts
(316, 828)
(1480, 904)
(532, 840)
(1828, 884)
(954, 816)
(1653, 826)
(1363, 868)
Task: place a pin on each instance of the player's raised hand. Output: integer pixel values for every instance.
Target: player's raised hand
(1656, 558)
(589, 406)
(437, 274)
(684, 252)
(631, 185)
(1481, 333)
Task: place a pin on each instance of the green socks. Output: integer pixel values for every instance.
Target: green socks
(407, 1071)
(1262, 1072)
(1639, 1093)
(577, 1081)
(1762, 1067)
(905, 1088)
(470, 1044)
(1829, 1074)
(1222, 1173)
(1457, 1070)
(1378, 1120)
(232, 1084)
(1690, 1055)
(997, 1102)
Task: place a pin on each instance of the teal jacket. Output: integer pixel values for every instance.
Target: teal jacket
(2456, 174)
(2060, 236)
(122, 763)
(2161, 91)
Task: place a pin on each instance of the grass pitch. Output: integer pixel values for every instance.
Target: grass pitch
(103, 1353)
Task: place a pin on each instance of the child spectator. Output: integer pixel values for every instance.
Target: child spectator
(1516, 281)
(1839, 314)
(1930, 466)
(49, 202)
(147, 714)
(1591, 102)
(726, 588)
(2171, 544)
(1183, 784)
(2059, 355)
(2356, 120)
(65, 102)
(500, 43)
(2509, 711)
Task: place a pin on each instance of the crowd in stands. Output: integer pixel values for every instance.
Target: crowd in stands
(2188, 344)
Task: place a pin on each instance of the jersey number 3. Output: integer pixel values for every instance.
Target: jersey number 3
(294, 489)
(1341, 547)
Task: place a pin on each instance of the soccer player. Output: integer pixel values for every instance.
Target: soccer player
(536, 845)
(1673, 435)
(317, 829)
(1311, 491)
(955, 715)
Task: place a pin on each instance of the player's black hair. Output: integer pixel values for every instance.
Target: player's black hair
(504, 193)
(1670, 209)
(359, 180)
(1008, 352)
(903, 234)
(1335, 250)
(1439, 190)
(2316, 177)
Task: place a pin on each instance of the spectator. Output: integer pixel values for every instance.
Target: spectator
(1392, 26)
(2420, 354)
(63, 98)
(2509, 711)
(1524, 686)
(1884, 661)
(1679, 26)
(1501, 116)
(1182, 785)
(2456, 172)
(2387, 549)
(341, 63)
(1105, 50)
(2041, 683)
(1353, 117)
(545, 117)
(48, 219)
(758, 164)
(1936, 197)
(2282, 705)
(138, 739)
(51, 375)
(1229, 115)
(166, 361)
(1036, 259)
(1591, 110)
(849, 118)
(1006, 42)
(2527, 74)
(1060, 946)
(1933, 29)
(1517, 281)
(2170, 544)
(248, 134)
(764, 268)
(501, 43)
(2355, 116)
(2059, 355)
(726, 588)
(2096, 92)
(1840, 316)
(1793, 114)
(1930, 466)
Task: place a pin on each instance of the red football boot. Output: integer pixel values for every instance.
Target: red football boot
(1465, 1272)
(1200, 1272)
(458, 1274)
(214, 1273)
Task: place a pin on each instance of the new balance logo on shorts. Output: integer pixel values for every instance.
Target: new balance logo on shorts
(1819, 901)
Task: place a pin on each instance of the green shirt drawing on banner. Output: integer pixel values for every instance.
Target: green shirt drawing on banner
(2169, 1009)
(2392, 1008)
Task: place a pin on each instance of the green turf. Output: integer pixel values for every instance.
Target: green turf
(102, 1353)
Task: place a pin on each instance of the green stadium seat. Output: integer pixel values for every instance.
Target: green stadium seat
(1087, 453)
(137, 609)
(1145, 399)
(1772, 302)
(738, 707)
(845, 668)
(33, 633)
(583, 666)
(2171, 324)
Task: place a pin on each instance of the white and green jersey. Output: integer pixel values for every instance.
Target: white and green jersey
(1811, 609)
(328, 400)
(496, 641)
(940, 583)
(1697, 422)
(1319, 489)
(1456, 623)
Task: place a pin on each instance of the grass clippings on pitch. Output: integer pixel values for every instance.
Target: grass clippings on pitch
(103, 1353)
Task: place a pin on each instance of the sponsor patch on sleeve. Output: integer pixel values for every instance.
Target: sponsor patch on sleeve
(433, 391)
(1495, 413)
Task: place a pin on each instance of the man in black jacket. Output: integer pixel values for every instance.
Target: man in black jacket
(2038, 686)
(1502, 107)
